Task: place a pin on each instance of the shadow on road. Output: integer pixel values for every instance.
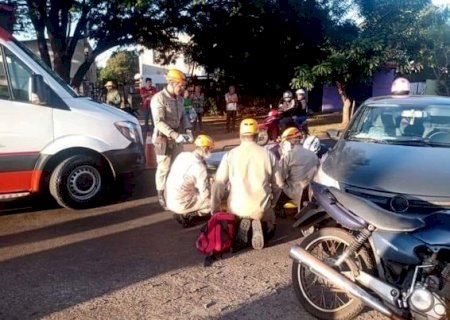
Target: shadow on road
(81, 224)
(48, 281)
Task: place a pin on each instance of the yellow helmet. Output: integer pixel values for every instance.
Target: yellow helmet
(176, 75)
(290, 133)
(249, 126)
(204, 141)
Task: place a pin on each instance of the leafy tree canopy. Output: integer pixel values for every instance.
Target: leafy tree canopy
(257, 43)
(108, 23)
(121, 67)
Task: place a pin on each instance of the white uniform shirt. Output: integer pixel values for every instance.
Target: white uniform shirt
(187, 183)
(298, 167)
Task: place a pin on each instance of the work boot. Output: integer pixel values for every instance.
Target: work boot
(161, 200)
(257, 235)
(243, 230)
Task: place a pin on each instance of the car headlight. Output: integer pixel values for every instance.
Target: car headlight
(128, 129)
(326, 180)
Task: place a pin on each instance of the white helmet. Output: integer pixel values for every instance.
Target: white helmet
(400, 86)
(137, 76)
(312, 143)
(300, 91)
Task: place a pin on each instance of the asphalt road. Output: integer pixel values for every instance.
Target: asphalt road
(130, 260)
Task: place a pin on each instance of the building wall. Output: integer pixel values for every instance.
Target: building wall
(149, 66)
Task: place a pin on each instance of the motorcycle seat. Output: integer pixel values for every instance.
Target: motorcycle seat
(378, 217)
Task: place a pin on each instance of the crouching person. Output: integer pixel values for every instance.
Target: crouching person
(254, 178)
(187, 191)
(298, 167)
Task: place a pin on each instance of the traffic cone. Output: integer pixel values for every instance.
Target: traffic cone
(150, 156)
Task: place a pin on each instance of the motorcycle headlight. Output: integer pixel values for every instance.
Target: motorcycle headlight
(129, 130)
(323, 178)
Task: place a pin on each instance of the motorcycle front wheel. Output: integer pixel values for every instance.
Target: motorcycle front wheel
(319, 297)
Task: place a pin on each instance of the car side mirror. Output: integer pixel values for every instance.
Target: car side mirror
(38, 91)
(333, 134)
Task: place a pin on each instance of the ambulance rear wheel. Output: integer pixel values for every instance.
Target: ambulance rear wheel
(79, 182)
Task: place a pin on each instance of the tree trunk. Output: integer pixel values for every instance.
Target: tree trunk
(346, 102)
(79, 75)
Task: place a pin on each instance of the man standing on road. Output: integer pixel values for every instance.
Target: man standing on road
(147, 92)
(254, 180)
(188, 191)
(172, 127)
(231, 100)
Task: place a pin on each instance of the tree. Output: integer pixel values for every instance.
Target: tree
(108, 23)
(435, 47)
(255, 43)
(121, 67)
(389, 32)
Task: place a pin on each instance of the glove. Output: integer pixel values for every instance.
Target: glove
(190, 136)
(182, 138)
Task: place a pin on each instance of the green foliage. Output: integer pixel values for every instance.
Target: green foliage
(112, 23)
(256, 44)
(391, 31)
(121, 67)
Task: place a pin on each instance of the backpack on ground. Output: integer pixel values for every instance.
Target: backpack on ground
(217, 235)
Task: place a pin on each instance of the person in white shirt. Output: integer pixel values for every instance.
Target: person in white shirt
(231, 100)
(187, 191)
(253, 177)
(298, 166)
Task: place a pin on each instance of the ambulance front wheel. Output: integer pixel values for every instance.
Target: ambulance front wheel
(79, 182)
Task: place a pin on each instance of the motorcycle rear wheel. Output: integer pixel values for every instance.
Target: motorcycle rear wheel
(317, 296)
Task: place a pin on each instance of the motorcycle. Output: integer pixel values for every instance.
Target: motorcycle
(269, 129)
(363, 255)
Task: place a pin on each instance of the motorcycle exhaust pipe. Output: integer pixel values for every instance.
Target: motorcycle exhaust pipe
(302, 256)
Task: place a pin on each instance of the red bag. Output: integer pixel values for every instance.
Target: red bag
(217, 235)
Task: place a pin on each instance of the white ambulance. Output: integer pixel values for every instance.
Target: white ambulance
(53, 140)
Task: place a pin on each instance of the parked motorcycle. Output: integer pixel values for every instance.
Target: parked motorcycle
(365, 255)
(269, 129)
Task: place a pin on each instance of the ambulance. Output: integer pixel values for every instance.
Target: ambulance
(53, 141)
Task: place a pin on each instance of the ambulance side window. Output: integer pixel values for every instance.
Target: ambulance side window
(4, 91)
(19, 75)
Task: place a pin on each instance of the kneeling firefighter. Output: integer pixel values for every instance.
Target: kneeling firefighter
(187, 191)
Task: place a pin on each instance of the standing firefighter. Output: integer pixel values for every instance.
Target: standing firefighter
(172, 128)
(254, 179)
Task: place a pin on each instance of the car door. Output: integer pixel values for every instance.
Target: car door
(26, 126)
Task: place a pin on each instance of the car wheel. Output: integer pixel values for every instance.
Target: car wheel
(79, 182)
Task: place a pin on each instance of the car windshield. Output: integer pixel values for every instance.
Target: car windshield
(422, 125)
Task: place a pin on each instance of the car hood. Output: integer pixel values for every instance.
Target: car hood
(213, 162)
(410, 170)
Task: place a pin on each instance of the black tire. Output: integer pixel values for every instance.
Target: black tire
(302, 285)
(79, 182)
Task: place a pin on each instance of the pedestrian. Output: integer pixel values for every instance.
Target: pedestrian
(172, 127)
(254, 181)
(298, 167)
(231, 100)
(198, 100)
(112, 95)
(188, 107)
(301, 113)
(187, 191)
(147, 91)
